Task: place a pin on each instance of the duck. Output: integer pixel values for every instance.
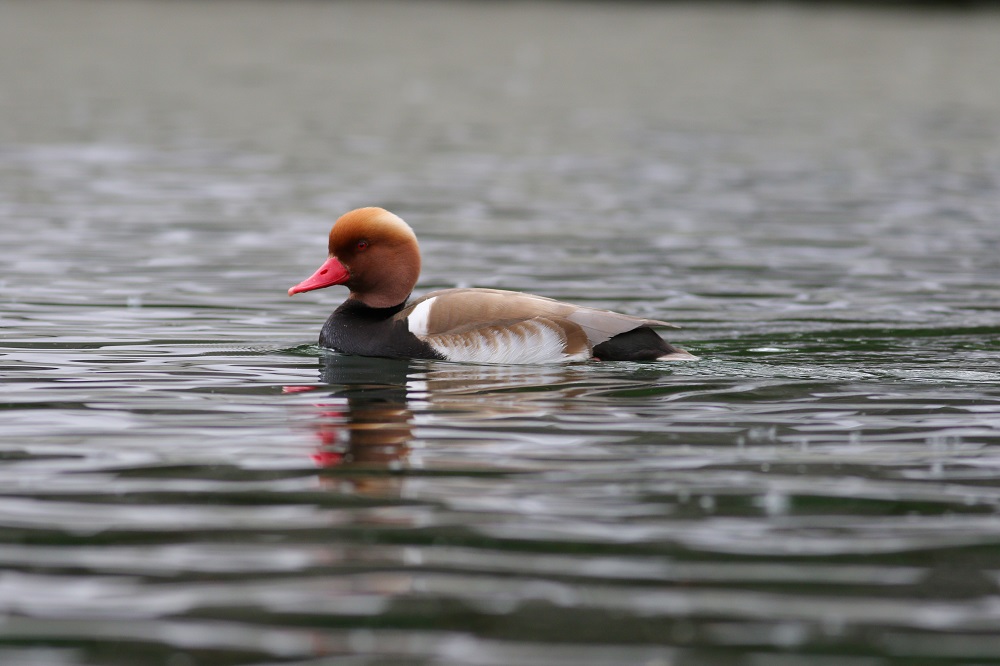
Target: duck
(375, 254)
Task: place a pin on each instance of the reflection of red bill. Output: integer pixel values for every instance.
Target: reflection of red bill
(327, 458)
(330, 433)
(298, 389)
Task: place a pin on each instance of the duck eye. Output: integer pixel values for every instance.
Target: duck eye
(362, 245)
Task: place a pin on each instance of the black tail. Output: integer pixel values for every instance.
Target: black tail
(639, 344)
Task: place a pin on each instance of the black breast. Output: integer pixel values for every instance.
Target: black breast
(355, 328)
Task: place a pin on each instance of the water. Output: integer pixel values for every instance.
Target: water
(812, 194)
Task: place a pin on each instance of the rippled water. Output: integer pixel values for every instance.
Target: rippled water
(813, 194)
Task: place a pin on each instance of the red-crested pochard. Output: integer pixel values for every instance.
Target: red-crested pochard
(375, 254)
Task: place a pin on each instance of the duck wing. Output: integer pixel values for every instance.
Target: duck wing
(498, 326)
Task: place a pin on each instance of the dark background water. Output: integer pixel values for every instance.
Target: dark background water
(812, 193)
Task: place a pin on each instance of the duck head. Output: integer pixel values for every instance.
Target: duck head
(374, 254)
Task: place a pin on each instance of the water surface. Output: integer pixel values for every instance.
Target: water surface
(185, 478)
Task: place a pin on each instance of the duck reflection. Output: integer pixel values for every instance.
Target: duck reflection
(370, 426)
(368, 415)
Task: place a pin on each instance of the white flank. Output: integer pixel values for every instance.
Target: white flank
(526, 342)
(417, 320)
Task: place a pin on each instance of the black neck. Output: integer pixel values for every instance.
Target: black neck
(356, 308)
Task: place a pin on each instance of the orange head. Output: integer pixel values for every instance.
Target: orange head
(374, 254)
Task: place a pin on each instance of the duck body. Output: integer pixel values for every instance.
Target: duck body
(375, 254)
